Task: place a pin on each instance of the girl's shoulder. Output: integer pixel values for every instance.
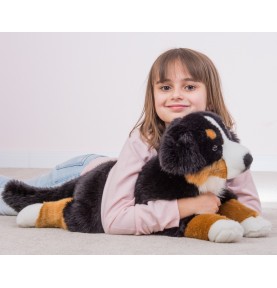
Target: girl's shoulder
(137, 137)
(140, 145)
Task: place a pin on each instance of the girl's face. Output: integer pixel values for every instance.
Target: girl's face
(179, 95)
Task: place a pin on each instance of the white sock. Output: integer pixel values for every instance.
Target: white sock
(5, 209)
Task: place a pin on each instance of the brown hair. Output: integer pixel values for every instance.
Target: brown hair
(202, 69)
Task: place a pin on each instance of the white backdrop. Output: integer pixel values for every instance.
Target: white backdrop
(65, 94)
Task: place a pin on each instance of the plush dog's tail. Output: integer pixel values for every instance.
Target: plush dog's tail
(18, 195)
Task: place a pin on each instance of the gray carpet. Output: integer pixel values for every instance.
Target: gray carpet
(18, 241)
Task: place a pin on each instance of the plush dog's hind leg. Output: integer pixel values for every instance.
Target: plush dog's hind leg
(214, 227)
(46, 215)
(253, 224)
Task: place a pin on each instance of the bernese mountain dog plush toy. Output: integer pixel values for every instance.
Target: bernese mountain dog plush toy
(197, 154)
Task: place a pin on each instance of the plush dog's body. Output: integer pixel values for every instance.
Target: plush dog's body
(192, 159)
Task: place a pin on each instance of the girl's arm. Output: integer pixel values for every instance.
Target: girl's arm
(243, 186)
(119, 214)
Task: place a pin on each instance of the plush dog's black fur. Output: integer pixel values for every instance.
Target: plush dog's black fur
(184, 148)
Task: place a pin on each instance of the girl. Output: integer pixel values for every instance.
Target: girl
(181, 81)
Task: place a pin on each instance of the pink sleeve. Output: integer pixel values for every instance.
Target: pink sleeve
(243, 186)
(119, 213)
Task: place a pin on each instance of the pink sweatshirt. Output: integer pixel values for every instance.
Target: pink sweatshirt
(119, 213)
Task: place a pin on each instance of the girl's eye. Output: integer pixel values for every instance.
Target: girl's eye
(190, 87)
(165, 88)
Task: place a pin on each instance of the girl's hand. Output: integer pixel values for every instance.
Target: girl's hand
(207, 203)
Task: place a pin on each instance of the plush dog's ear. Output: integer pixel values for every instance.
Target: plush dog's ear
(234, 136)
(180, 155)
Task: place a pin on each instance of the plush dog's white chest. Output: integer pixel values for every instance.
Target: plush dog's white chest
(213, 184)
(210, 179)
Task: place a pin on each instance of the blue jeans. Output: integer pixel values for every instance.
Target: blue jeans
(60, 174)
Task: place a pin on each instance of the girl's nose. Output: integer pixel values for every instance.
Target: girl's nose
(177, 94)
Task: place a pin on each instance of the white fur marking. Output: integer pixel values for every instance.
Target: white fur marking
(225, 231)
(256, 227)
(213, 184)
(28, 216)
(212, 120)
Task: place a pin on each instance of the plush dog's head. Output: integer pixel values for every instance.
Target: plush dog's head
(199, 144)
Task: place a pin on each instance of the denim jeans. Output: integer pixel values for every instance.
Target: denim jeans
(60, 174)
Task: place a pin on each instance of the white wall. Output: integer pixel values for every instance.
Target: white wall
(64, 94)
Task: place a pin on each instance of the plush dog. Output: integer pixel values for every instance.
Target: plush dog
(197, 154)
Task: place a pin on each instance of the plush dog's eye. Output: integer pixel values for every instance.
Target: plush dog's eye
(214, 148)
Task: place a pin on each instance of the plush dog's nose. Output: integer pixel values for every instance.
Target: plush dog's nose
(247, 159)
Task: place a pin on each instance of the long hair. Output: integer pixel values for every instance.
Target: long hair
(202, 69)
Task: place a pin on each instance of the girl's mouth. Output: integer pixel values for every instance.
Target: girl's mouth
(177, 107)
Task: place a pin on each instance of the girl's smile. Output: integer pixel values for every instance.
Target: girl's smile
(178, 107)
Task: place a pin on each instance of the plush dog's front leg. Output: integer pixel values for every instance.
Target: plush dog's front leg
(46, 215)
(214, 227)
(253, 224)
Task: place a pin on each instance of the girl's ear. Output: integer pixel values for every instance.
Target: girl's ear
(180, 155)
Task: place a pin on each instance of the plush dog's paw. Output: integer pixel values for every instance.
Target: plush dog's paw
(256, 227)
(225, 231)
(28, 216)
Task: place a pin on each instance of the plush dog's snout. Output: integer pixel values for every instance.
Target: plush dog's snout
(247, 159)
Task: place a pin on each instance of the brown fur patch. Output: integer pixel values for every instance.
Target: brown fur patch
(235, 210)
(200, 225)
(51, 214)
(218, 169)
(211, 133)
